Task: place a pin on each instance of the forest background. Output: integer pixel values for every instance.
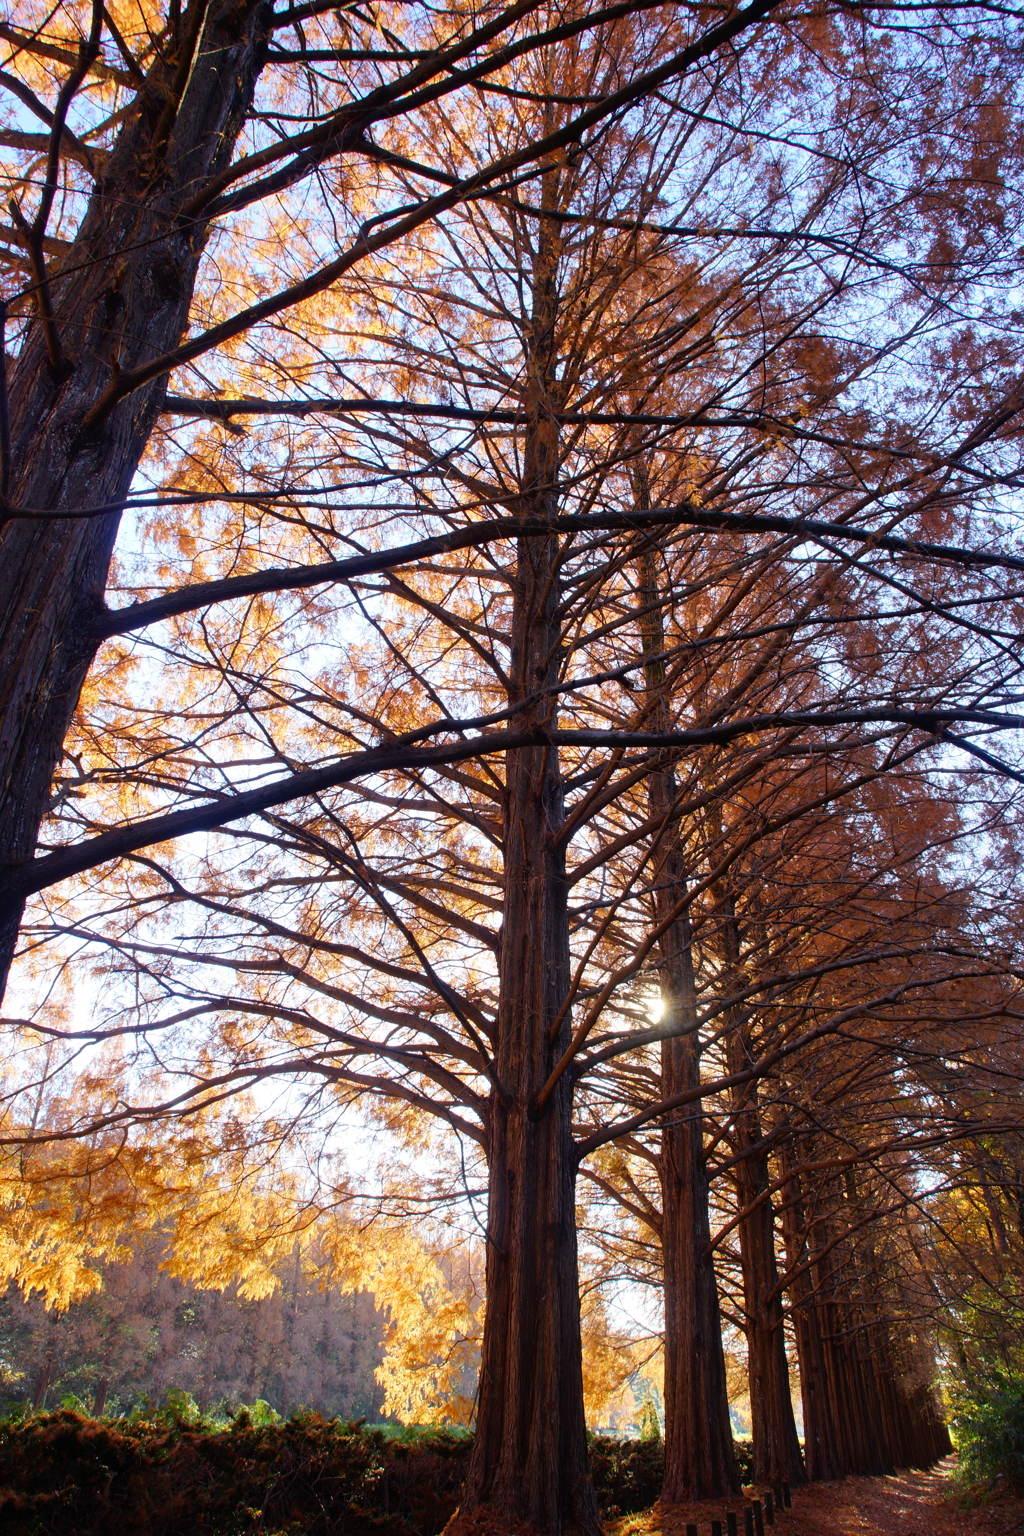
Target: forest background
(510, 739)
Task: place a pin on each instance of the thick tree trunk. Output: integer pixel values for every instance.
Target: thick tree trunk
(530, 1455)
(126, 297)
(700, 1461)
(529, 1467)
(529, 1462)
(777, 1456)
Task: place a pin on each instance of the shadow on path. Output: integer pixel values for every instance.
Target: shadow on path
(909, 1503)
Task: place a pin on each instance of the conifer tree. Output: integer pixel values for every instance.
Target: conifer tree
(464, 748)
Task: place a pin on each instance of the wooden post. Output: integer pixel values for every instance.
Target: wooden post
(787, 1497)
(769, 1508)
(758, 1518)
(691, 1530)
(730, 1523)
(748, 1520)
(716, 1528)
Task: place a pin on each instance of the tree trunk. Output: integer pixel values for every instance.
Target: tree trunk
(126, 297)
(42, 1384)
(822, 1456)
(530, 1455)
(700, 1461)
(529, 1467)
(777, 1456)
(863, 1415)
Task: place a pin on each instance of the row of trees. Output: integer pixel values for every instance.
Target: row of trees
(147, 1333)
(575, 605)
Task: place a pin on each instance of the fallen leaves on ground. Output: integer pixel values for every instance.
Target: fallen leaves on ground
(906, 1504)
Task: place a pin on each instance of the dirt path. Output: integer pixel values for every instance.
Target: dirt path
(908, 1504)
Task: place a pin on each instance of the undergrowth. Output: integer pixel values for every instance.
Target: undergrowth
(988, 1429)
(169, 1470)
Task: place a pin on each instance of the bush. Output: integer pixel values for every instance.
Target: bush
(627, 1473)
(168, 1470)
(744, 1460)
(63, 1475)
(988, 1429)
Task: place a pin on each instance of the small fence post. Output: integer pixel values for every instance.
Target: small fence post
(730, 1523)
(748, 1520)
(787, 1497)
(769, 1508)
(758, 1518)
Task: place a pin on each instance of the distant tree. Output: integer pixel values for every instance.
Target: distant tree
(147, 1331)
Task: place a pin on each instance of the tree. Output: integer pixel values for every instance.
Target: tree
(471, 738)
(834, 915)
(147, 1332)
(105, 331)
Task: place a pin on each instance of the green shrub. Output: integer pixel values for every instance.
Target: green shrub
(168, 1470)
(744, 1460)
(628, 1474)
(63, 1475)
(988, 1428)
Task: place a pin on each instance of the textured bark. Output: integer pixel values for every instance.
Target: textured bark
(699, 1458)
(820, 1438)
(530, 1456)
(777, 1455)
(126, 296)
(529, 1464)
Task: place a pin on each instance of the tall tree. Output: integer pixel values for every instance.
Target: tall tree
(459, 888)
(108, 317)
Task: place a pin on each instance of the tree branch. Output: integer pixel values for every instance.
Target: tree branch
(35, 875)
(530, 154)
(289, 578)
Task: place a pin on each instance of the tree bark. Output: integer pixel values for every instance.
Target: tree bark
(125, 296)
(822, 1457)
(530, 1455)
(529, 1467)
(777, 1456)
(700, 1461)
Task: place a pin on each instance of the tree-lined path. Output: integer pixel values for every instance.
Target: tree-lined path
(512, 644)
(909, 1503)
